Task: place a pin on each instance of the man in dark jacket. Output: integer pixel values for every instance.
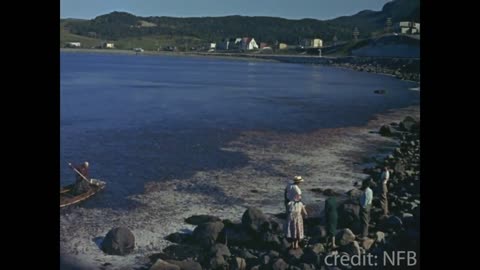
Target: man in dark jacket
(82, 185)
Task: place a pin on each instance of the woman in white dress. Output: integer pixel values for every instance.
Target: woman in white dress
(294, 225)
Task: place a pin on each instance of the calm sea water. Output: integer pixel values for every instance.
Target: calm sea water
(144, 118)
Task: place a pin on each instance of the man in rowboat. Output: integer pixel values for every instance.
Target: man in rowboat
(82, 183)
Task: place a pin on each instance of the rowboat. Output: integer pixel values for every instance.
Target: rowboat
(68, 198)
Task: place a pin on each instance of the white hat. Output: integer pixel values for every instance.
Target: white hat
(298, 179)
(86, 163)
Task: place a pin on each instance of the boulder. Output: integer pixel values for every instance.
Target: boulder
(163, 265)
(317, 190)
(271, 240)
(237, 263)
(352, 249)
(399, 168)
(177, 237)
(329, 192)
(273, 254)
(318, 248)
(304, 266)
(344, 237)
(279, 264)
(367, 243)
(183, 252)
(318, 232)
(199, 219)
(186, 264)
(276, 224)
(254, 220)
(265, 259)
(247, 255)
(220, 250)
(392, 223)
(206, 234)
(386, 130)
(295, 253)
(311, 257)
(408, 124)
(118, 241)
(238, 235)
(217, 262)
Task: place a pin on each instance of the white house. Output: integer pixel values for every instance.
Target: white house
(317, 43)
(248, 43)
(108, 45)
(312, 43)
(407, 28)
(74, 44)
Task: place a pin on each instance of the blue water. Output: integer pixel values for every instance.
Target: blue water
(144, 118)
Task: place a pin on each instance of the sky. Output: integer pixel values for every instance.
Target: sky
(291, 9)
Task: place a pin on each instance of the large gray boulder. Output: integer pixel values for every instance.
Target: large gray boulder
(220, 250)
(186, 264)
(183, 252)
(344, 237)
(386, 131)
(206, 234)
(409, 124)
(118, 241)
(254, 219)
(199, 219)
(279, 264)
(163, 265)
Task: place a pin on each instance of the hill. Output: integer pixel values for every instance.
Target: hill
(128, 30)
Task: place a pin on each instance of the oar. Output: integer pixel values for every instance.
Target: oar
(89, 181)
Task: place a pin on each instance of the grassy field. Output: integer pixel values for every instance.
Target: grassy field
(150, 43)
(66, 36)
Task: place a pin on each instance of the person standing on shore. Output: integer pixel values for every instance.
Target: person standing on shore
(365, 206)
(292, 190)
(331, 219)
(81, 184)
(384, 177)
(294, 225)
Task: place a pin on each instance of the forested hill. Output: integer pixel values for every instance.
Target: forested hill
(121, 25)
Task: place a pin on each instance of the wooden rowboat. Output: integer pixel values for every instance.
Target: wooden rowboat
(67, 198)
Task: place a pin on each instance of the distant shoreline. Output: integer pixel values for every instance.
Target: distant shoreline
(166, 53)
(402, 68)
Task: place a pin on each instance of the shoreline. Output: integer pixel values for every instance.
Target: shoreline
(366, 63)
(326, 158)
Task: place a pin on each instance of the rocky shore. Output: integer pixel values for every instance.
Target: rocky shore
(401, 68)
(258, 241)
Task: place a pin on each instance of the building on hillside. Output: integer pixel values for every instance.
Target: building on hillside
(412, 28)
(73, 45)
(248, 44)
(108, 45)
(282, 46)
(317, 43)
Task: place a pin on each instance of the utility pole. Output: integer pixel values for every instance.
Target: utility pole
(388, 25)
(356, 33)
